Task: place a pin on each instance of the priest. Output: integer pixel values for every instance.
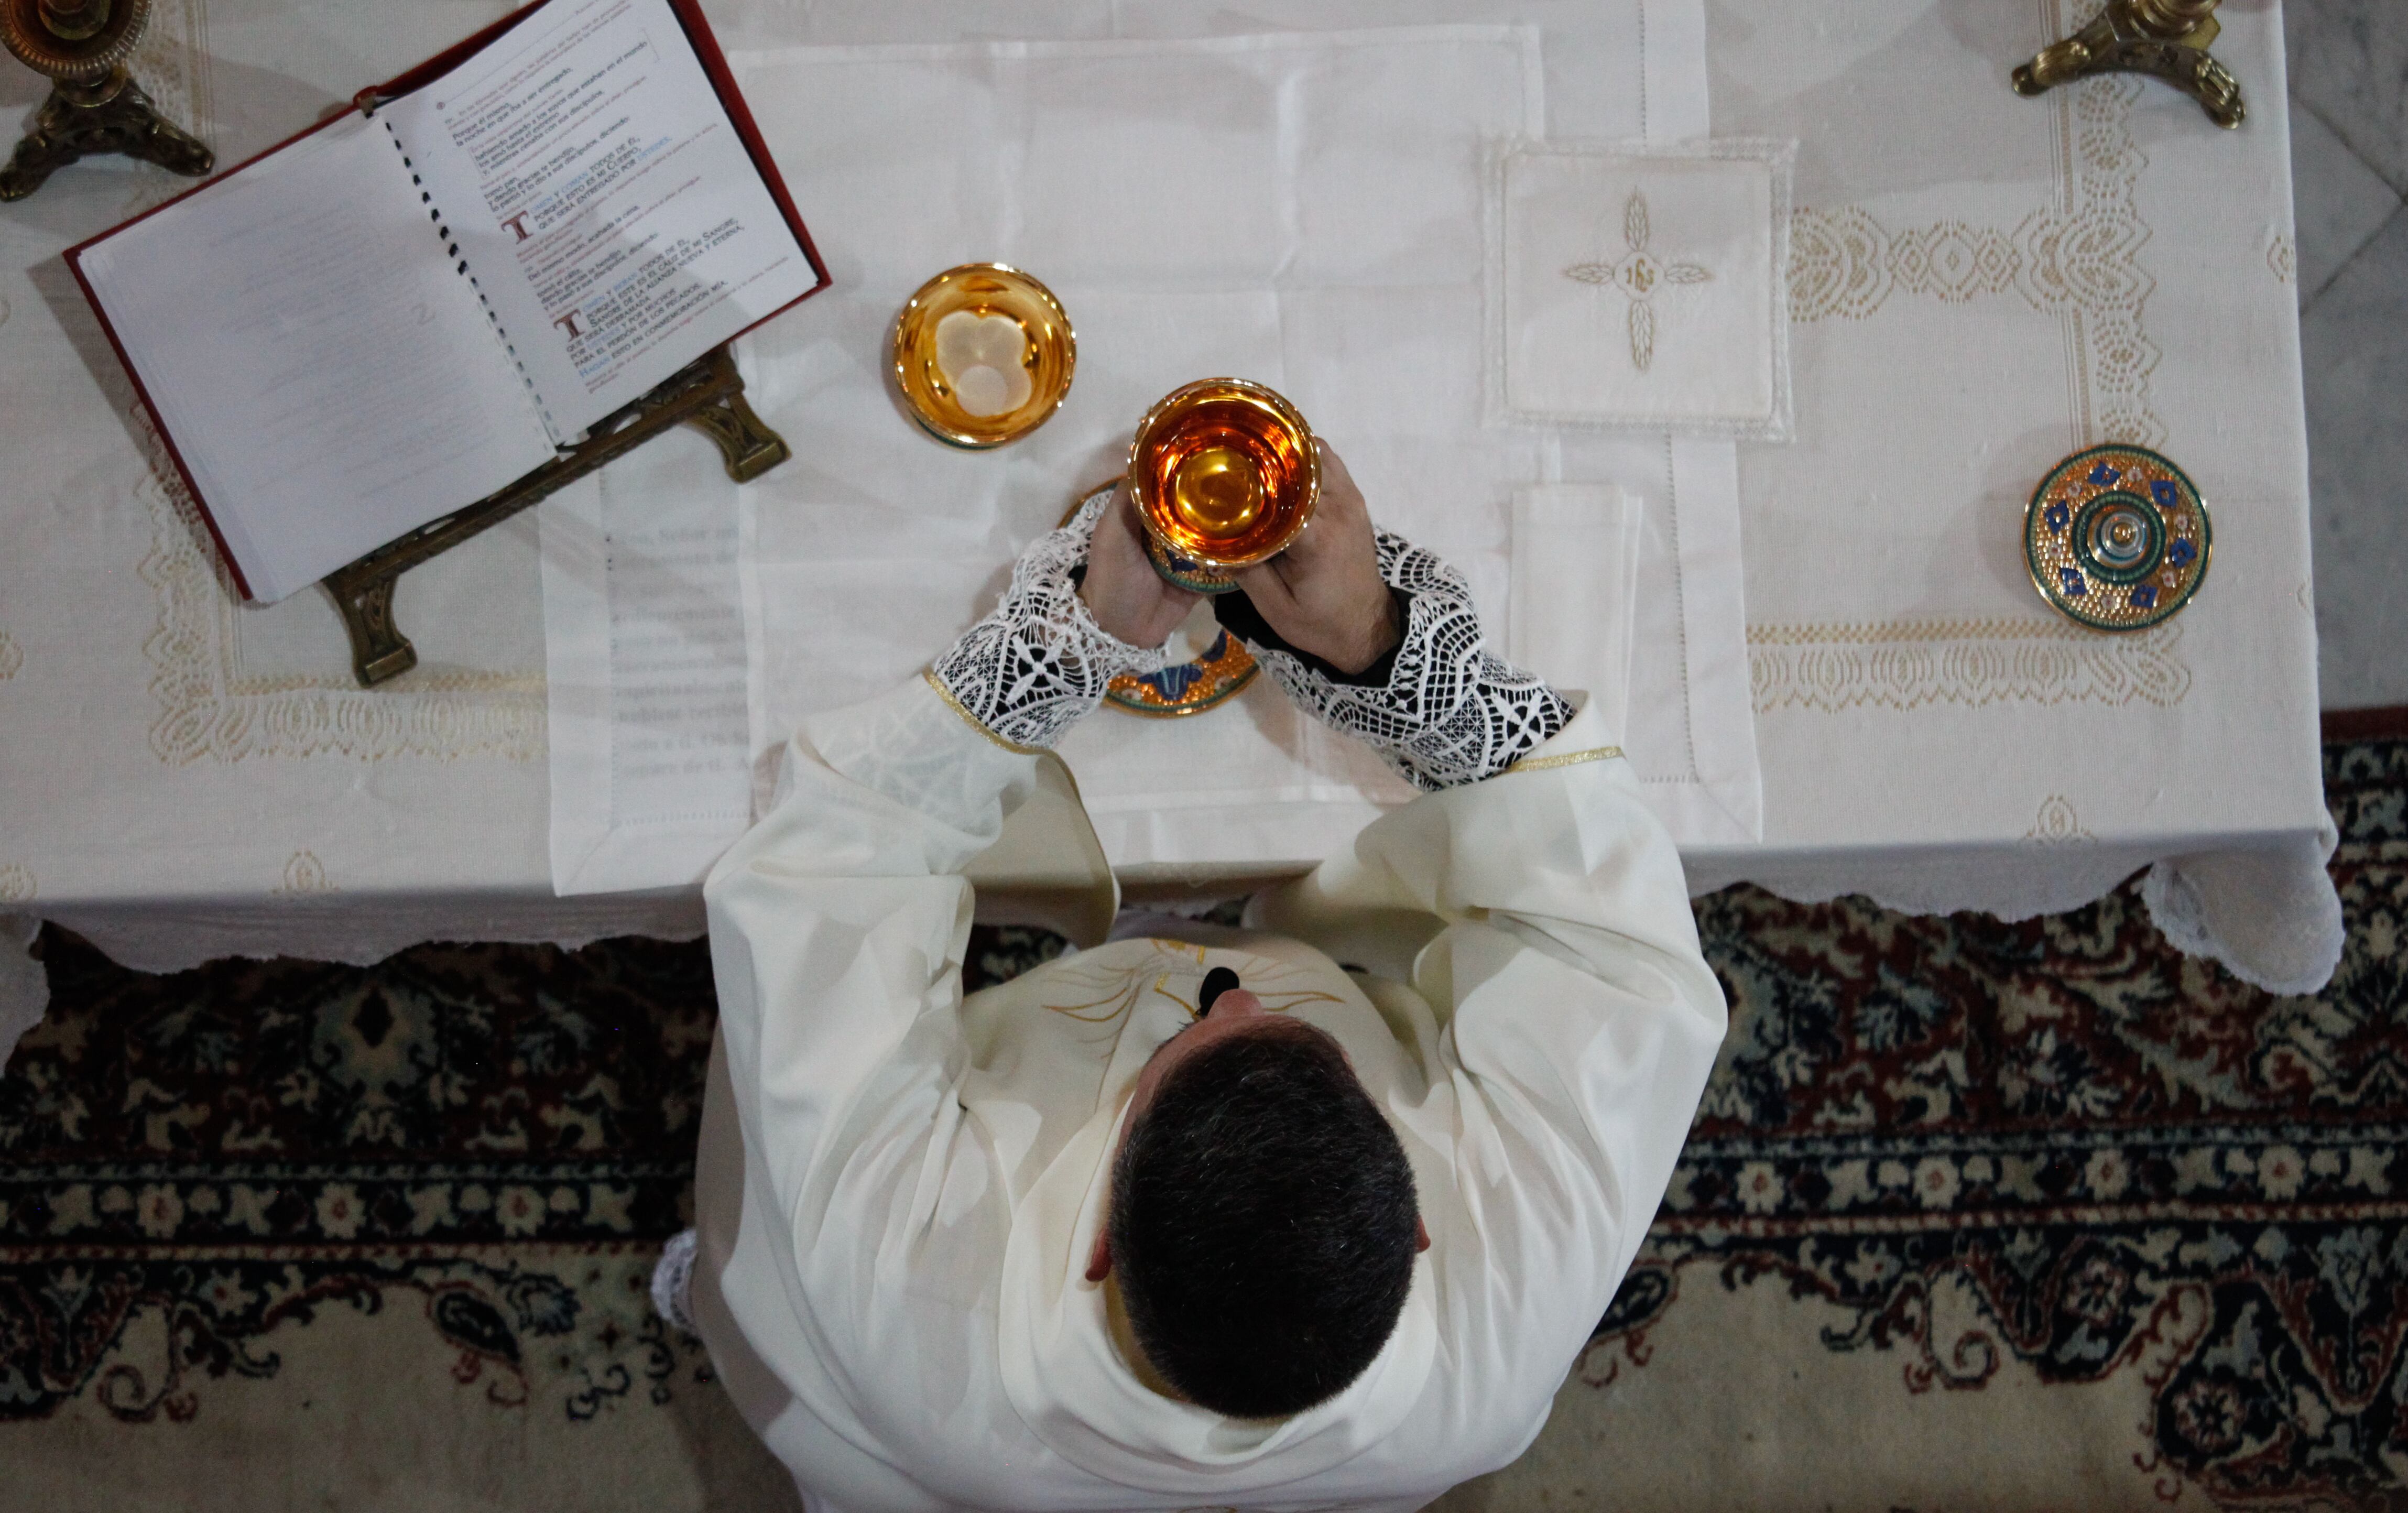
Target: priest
(1312, 1214)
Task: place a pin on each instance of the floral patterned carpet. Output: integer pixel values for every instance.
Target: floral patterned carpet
(1974, 1216)
(2125, 1161)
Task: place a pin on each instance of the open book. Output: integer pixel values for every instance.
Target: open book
(410, 306)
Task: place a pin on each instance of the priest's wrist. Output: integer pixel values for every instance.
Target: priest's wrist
(1040, 662)
(1365, 658)
(1375, 636)
(1126, 597)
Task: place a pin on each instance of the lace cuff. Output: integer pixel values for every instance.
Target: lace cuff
(1040, 663)
(1441, 709)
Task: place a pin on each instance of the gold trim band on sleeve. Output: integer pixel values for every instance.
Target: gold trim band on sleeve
(975, 723)
(1570, 758)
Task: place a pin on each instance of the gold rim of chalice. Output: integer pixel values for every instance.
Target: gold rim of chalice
(1225, 472)
(976, 408)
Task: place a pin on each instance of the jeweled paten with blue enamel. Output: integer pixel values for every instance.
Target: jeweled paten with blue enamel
(1186, 687)
(2116, 537)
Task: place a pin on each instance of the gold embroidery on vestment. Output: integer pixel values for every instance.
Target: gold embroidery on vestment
(1116, 990)
(1570, 758)
(975, 723)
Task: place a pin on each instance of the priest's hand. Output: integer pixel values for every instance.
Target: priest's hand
(1082, 608)
(1130, 600)
(1378, 638)
(1324, 593)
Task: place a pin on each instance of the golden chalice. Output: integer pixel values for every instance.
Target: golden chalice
(1225, 475)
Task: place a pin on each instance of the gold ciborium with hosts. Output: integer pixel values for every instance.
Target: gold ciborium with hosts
(983, 353)
(1225, 475)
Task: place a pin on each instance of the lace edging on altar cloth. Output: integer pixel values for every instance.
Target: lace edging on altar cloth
(1638, 287)
(2273, 917)
(210, 707)
(1916, 664)
(2074, 256)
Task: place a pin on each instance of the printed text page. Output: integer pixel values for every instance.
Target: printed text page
(602, 202)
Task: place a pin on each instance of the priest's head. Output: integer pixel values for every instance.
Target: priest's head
(1262, 1223)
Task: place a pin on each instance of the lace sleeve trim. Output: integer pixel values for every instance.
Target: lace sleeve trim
(1038, 664)
(1449, 710)
(973, 721)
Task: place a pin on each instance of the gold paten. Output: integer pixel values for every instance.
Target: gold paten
(94, 105)
(1225, 475)
(2165, 38)
(707, 394)
(984, 354)
(1208, 680)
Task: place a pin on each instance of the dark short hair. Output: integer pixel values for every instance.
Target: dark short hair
(1262, 1224)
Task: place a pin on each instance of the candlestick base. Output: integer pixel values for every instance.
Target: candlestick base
(113, 115)
(2166, 39)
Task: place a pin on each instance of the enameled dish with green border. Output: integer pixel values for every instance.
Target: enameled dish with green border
(2116, 537)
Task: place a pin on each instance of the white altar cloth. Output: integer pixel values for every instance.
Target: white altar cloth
(182, 779)
(1303, 209)
(1981, 284)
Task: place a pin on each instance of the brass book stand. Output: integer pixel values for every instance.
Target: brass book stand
(708, 395)
(94, 105)
(2165, 38)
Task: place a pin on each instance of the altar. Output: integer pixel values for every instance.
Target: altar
(1840, 678)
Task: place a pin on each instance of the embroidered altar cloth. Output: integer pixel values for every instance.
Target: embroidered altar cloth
(1979, 285)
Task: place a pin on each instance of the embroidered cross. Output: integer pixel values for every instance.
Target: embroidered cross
(1636, 275)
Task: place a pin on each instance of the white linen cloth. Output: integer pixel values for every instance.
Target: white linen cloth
(1642, 288)
(1301, 209)
(646, 694)
(899, 1188)
(1981, 284)
(1575, 587)
(183, 778)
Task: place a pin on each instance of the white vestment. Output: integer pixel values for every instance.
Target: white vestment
(899, 1188)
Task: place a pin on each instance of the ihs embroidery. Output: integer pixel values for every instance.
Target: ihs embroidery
(1636, 275)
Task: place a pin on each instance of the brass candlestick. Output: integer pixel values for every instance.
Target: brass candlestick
(2167, 38)
(94, 105)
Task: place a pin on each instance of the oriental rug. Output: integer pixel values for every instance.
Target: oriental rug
(1975, 1215)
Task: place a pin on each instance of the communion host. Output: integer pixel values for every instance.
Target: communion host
(1315, 1214)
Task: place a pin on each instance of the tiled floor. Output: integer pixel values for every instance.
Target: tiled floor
(2349, 167)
